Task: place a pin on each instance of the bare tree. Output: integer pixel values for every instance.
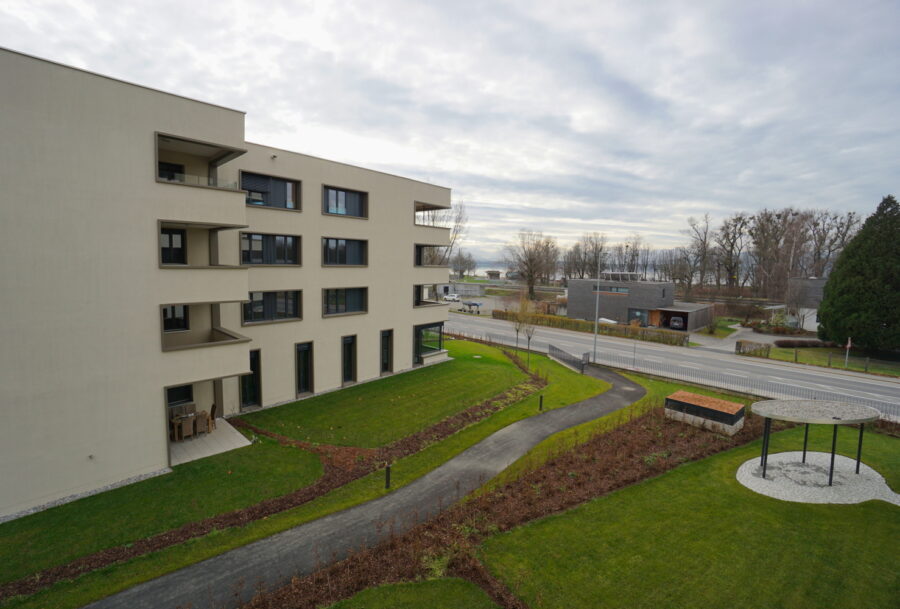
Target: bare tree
(461, 263)
(533, 256)
(829, 233)
(730, 240)
(700, 237)
(457, 220)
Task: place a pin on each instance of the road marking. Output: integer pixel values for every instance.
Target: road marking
(689, 366)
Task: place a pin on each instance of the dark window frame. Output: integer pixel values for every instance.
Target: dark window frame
(335, 301)
(263, 249)
(336, 251)
(272, 306)
(354, 360)
(386, 352)
(168, 171)
(168, 253)
(309, 348)
(331, 205)
(419, 345)
(171, 317)
(186, 390)
(255, 377)
(265, 197)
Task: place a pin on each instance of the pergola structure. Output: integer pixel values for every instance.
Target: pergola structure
(814, 412)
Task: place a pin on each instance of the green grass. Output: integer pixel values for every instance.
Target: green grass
(193, 491)
(695, 537)
(448, 593)
(565, 387)
(377, 413)
(818, 356)
(657, 390)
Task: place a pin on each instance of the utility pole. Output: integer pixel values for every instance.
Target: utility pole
(596, 306)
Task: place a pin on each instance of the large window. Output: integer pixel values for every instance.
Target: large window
(304, 368)
(273, 306)
(174, 172)
(267, 191)
(427, 338)
(183, 394)
(345, 300)
(612, 289)
(345, 202)
(175, 318)
(351, 252)
(173, 245)
(269, 249)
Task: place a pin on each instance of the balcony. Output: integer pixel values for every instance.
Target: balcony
(433, 256)
(433, 216)
(189, 162)
(192, 326)
(425, 295)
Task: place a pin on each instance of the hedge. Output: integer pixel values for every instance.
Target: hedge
(667, 337)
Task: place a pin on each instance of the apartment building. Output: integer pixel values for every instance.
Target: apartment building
(152, 257)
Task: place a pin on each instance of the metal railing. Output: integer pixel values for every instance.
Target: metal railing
(196, 180)
(721, 380)
(573, 361)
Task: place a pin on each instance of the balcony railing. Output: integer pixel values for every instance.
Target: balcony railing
(195, 180)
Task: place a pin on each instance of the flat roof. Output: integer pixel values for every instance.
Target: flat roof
(685, 307)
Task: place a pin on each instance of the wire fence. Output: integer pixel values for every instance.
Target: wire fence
(751, 385)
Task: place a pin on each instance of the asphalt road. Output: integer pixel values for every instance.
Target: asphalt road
(864, 386)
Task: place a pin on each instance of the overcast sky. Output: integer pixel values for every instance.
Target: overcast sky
(565, 117)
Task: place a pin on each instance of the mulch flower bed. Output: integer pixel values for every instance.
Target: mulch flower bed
(341, 464)
(639, 449)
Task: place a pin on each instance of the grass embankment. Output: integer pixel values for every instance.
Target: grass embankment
(722, 330)
(819, 356)
(377, 413)
(450, 593)
(695, 537)
(192, 491)
(564, 387)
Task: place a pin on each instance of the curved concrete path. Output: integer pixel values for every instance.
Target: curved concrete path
(230, 579)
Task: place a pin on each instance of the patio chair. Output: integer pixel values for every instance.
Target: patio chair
(213, 411)
(187, 427)
(201, 422)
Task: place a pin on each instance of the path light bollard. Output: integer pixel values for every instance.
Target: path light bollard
(829, 359)
(867, 364)
(387, 476)
(795, 356)
(541, 403)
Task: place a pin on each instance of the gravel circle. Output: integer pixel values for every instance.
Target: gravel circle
(788, 479)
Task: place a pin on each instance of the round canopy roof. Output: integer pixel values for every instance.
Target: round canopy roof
(821, 412)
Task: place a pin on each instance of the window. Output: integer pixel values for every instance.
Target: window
(613, 289)
(175, 318)
(267, 191)
(387, 351)
(348, 359)
(251, 389)
(345, 300)
(182, 394)
(345, 202)
(304, 368)
(272, 306)
(174, 172)
(351, 252)
(269, 249)
(173, 245)
(427, 338)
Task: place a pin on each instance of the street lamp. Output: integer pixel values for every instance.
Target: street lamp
(596, 306)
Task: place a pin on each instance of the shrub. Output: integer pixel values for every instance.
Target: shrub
(801, 343)
(668, 337)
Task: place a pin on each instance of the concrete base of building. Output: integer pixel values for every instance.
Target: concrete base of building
(728, 430)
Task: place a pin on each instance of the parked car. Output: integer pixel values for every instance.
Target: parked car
(676, 323)
(451, 297)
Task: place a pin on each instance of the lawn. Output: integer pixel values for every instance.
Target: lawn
(193, 491)
(818, 356)
(378, 413)
(448, 593)
(695, 537)
(565, 387)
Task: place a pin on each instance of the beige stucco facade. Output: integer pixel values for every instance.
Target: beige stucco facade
(84, 361)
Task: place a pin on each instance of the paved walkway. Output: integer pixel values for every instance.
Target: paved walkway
(232, 578)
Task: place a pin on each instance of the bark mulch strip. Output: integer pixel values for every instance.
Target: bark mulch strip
(342, 465)
(639, 449)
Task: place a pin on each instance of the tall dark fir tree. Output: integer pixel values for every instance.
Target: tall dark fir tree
(862, 296)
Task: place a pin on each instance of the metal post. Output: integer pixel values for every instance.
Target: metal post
(829, 358)
(867, 364)
(596, 307)
(387, 477)
(795, 356)
(541, 403)
(833, 448)
(859, 446)
(634, 355)
(805, 440)
(765, 447)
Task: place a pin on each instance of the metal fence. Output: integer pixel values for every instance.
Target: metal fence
(750, 385)
(578, 363)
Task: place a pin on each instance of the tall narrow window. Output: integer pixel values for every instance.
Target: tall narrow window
(173, 245)
(175, 318)
(304, 368)
(387, 351)
(348, 359)
(251, 394)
